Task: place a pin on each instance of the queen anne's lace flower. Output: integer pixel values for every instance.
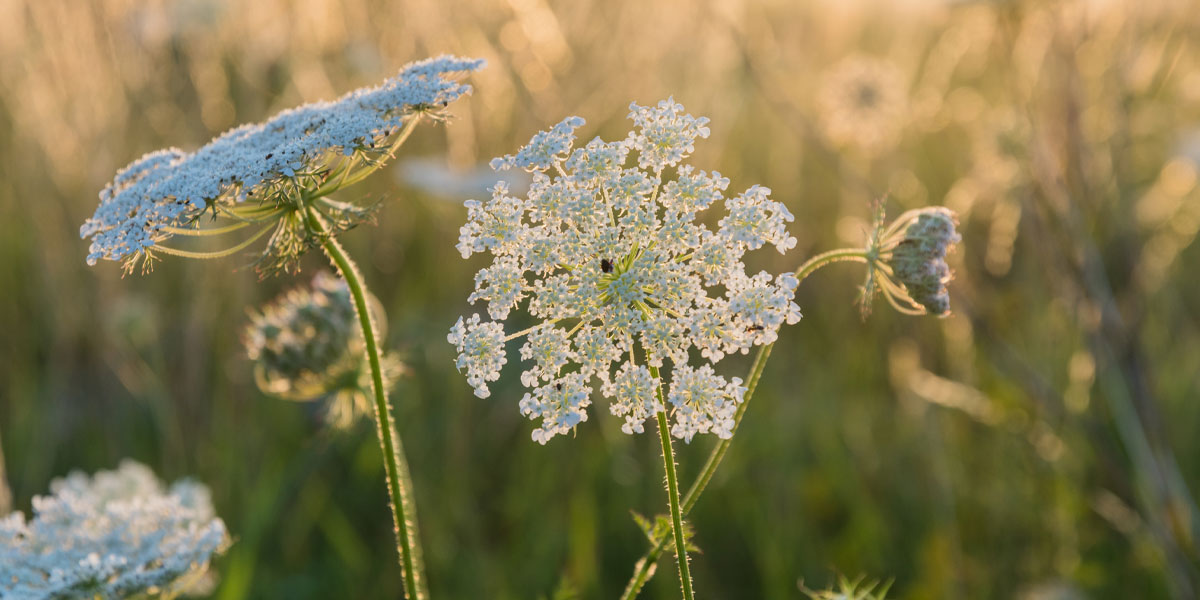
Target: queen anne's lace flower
(633, 394)
(704, 402)
(611, 258)
(115, 535)
(172, 188)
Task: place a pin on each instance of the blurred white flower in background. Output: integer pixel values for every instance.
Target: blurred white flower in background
(114, 535)
(863, 104)
(433, 176)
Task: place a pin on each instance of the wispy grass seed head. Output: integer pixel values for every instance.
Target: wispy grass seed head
(117, 534)
(262, 174)
(863, 104)
(615, 252)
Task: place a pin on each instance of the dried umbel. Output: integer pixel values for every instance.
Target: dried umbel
(614, 263)
(307, 345)
(269, 177)
(118, 534)
(907, 261)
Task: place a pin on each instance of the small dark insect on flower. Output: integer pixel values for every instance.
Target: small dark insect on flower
(558, 386)
(754, 328)
(606, 265)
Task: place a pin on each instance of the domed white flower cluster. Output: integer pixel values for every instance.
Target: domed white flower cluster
(611, 258)
(170, 188)
(114, 535)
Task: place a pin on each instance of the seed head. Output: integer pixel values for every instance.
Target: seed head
(863, 104)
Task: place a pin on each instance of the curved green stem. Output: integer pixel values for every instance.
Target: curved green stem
(195, 232)
(216, 254)
(827, 258)
(399, 482)
(664, 437)
(645, 567)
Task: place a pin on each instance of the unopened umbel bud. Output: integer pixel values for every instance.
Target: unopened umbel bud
(919, 261)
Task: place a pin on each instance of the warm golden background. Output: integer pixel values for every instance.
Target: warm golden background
(1039, 443)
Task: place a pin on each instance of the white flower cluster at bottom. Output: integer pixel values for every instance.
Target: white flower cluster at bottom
(114, 535)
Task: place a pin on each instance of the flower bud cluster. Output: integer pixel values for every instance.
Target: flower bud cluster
(304, 332)
(919, 260)
(907, 261)
(307, 345)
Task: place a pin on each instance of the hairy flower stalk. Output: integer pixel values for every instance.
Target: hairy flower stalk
(404, 514)
(277, 178)
(931, 232)
(118, 534)
(609, 254)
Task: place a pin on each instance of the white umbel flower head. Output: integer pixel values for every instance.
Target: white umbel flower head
(115, 535)
(608, 253)
(272, 163)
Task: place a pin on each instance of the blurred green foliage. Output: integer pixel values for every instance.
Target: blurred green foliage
(1038, 443)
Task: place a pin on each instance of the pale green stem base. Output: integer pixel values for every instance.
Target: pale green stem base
(646, 566)
(5, 492)
(399, 482)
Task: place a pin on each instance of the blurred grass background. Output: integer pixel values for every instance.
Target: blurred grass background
(1039, 443)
